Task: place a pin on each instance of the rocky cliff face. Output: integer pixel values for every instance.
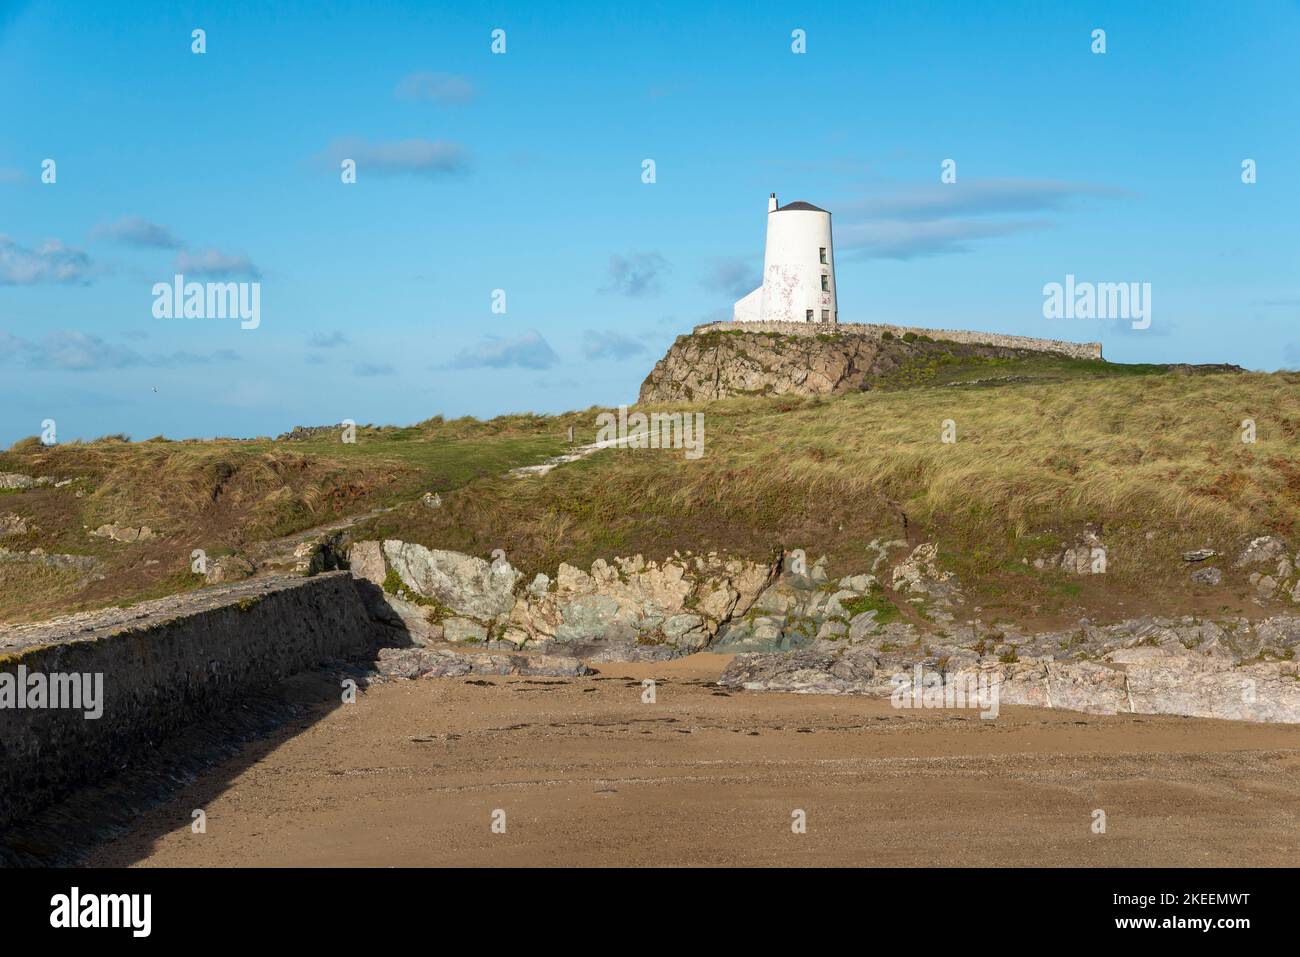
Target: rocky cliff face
(719, 364)
(794, 627)
(625, 610)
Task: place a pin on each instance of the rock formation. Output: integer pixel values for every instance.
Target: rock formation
(629, 609)
(796, 628)
(1143, 675)
(719, 364)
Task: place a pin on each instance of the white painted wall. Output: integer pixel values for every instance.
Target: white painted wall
(792, 270)
(749, 309)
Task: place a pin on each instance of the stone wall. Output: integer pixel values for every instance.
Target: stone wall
(1076, 350)
(164, 663)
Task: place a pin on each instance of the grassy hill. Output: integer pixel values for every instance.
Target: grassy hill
(1149, 458)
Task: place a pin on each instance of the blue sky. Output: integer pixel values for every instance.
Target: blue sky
(522, 172)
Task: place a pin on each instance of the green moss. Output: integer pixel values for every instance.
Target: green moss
(435, 610)
(711, 339)
(875, 600)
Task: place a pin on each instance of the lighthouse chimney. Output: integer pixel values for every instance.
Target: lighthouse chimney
(771, 203)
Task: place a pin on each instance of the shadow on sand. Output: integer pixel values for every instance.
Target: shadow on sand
(248, 728)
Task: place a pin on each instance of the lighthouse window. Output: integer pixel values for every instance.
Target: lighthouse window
(808, 315)
(826, 315)
(823, 254)
(826, 283)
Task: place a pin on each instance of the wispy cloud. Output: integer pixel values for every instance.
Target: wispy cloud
(51, 261)
(413, 157)
(10, 345)
(636, 275)
(372, 369)
(327, 340)
(137, 231)
(979, 197)
(601, 344)
(529, 351)
(441, 88)
(912, 239)
(736, 276)
(211, 263)
(216, 264)
(71, 351)
(942, 219)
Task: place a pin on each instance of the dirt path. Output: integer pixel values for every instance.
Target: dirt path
(576, 454)
(587, 774)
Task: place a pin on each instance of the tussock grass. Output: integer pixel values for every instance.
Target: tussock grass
(1151, 460)
(223, 495)
(1153, 450)
(268, 488)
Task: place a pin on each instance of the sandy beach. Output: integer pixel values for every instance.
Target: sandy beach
(416, 772)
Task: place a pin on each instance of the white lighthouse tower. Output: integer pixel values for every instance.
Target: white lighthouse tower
(798, 269)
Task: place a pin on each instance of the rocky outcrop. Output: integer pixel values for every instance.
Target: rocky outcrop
(432, 663)
(808, 608)
(13, 524)
(1086, 555)
(722, 359)
(228, 568)
(125, 533)
(843, 671)
(470, 587)
(716, 363)
(1273, 573)
(1207, 576)
(1241, 672)
(85, 564)
(303, 433)
(628, 609)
